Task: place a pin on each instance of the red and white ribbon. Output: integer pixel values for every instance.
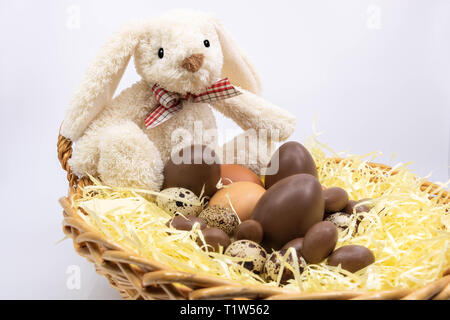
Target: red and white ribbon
(170, 103)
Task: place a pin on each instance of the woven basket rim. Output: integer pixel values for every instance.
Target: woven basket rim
(140, 278)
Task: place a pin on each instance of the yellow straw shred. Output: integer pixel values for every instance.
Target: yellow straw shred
(407, 230)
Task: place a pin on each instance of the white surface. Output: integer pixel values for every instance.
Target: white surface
(373, 84)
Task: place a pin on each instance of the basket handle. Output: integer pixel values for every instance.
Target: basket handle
(64, 147)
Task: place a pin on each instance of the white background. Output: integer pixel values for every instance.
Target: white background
(374, 73)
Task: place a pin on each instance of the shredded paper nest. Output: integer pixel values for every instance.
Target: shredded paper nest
(407, 230)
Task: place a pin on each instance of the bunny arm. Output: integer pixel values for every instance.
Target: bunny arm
(250, 111)
(254, 155)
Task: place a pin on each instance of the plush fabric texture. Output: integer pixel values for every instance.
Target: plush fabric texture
(110, 137)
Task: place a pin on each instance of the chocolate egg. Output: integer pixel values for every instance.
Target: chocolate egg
(297, 244)
(356, 206)
(273, 265)
(193, 168)
(341, 220)
(292, 158)
(319, 242)
(288, 209)
(185, 223)
(351, 258)
(179, 200)
(243, 197)
(220, 217)
(336, 199)
(251, 251)
(249, 230)
(216, 238)
(236, 173)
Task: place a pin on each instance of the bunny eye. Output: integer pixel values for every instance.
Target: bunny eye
(161, 53)
(206, 43)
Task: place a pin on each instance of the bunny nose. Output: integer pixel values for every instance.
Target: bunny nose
(193, 63)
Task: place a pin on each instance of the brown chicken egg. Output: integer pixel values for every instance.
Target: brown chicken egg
(236, 173)
(319, 242)
(292, 158)
(288, 209)
(240, 196)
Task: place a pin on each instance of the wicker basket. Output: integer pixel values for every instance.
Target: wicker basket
(138, 278)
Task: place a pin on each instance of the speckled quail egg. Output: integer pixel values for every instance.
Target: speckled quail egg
(273, 264)
(179, 200)
(251, 251)
(220, 217)
(341, 220)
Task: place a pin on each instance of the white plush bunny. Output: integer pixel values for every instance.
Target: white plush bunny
(183, 52)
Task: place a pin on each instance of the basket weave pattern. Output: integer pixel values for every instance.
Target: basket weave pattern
(138, 278)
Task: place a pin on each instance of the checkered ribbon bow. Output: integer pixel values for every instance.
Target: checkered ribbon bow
(170, 102)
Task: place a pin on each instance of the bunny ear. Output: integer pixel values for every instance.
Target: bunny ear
(100, 81)
(236, 65)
